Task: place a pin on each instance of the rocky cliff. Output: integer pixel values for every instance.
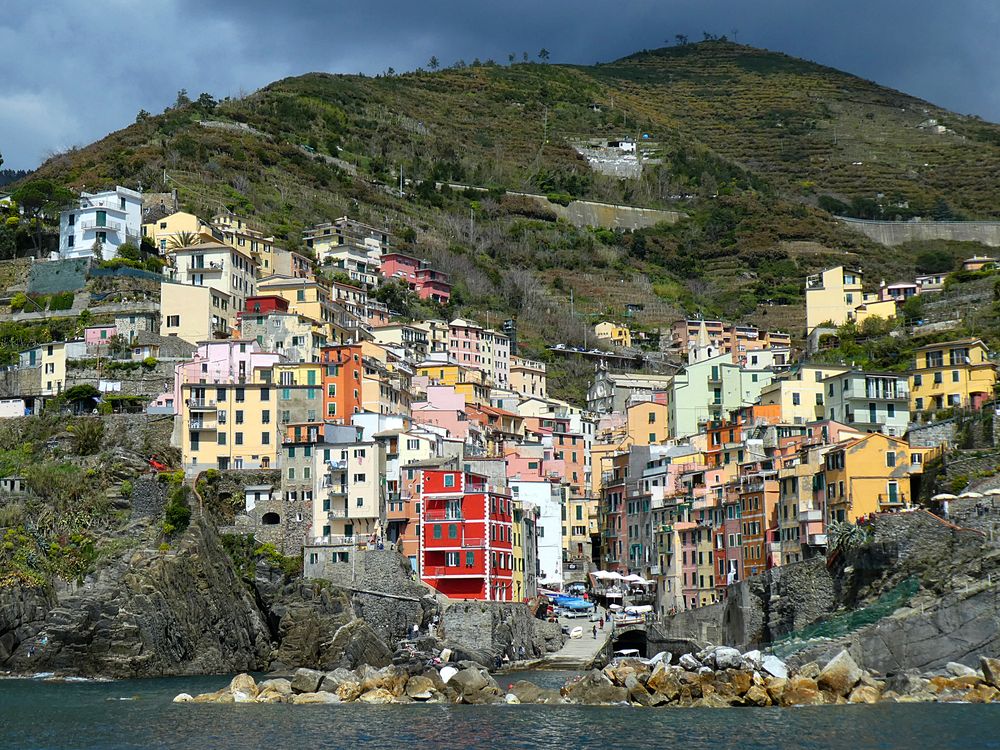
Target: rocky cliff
(183, 610)
(920, 594)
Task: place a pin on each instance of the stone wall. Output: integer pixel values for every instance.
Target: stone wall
(369, 573)
(142, 381)
(484, 629)
(933, 434)
(892, 233)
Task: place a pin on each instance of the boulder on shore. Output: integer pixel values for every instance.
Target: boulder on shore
(840, 675)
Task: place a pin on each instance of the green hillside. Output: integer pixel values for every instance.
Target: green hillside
(751, 144)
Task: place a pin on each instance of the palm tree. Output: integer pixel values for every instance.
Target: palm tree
(183, 239)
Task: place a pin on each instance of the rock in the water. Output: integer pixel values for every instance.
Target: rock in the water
(757, 696)
(991, 670)
(183, 698)
(243, 683)
(320, 697)
(810, 670)
(378, 696)
(774, 666)
(982, 694)
(960, 670)
(333, 680)
(664, 681)
(594, 689)
(525, 692)
(840, 675)
(689, 662)
(802, 691)
(419, 688)
(306, 680)
(348, 691)
(277, 685)
(752, 659)
(728, 658)
(864, 694)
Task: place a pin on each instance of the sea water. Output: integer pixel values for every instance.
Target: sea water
(120, 715)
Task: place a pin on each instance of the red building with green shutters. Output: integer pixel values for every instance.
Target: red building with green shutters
(466, 535)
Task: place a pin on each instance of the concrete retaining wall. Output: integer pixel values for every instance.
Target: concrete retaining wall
(893, 233)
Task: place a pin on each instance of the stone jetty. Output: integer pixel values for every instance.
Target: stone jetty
(719, 677)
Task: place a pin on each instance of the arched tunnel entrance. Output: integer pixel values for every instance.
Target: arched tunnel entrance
(631, 639)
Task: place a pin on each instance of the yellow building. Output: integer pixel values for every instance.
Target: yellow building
(179, 229)
(217, 266)
(647, 423)
(836, 296)
(527, 377)
(951, 374)
(228, 426)
(194, 313)
(617, 334)
(800, 394)
(871, 475)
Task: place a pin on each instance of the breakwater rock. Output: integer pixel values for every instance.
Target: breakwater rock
(721, 677)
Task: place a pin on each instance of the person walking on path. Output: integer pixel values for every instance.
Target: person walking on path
(595, 632)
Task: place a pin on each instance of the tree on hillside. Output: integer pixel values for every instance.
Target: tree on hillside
(1, 160)
(511, 57)
(543, 54)
(524, 56)
(433, 63)
(182, 99)
(97, 250)
(681, 39)
(206, 102)
(935, 261)
(39, 199)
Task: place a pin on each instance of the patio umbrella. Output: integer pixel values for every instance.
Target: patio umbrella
(971, 494)
(944, 496)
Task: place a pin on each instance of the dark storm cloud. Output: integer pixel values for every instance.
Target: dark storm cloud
(75, 71)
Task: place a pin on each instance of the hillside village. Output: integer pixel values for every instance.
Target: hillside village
(328, 422)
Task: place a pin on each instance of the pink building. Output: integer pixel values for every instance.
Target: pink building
(418, 276)
(98, 335)
(445, 408)
(230, 361)
(465, 343)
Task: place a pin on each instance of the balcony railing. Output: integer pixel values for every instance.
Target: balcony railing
(897, 499)
(473, 542)
(107, 226)
(340, 465)
(203, 424)
(336, 513)
(442, 515)
(436, 571)
(336, 489)
(201, 404)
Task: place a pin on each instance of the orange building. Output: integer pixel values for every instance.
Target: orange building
(342, 372)
(727, 434)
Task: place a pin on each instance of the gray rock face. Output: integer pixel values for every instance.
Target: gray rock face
(144, 614)
(689, 662)
(481, 630)
(307, 680)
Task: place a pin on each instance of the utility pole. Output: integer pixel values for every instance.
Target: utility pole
(400, 180)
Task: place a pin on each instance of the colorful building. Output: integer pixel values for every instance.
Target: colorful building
(952, 374)
(466, 536)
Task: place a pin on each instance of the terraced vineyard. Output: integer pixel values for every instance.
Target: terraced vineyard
(750, 143)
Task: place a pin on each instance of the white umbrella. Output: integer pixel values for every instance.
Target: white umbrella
(602, 574)
(971, 494)
(944, 496)
(634, 578)
(993, 492)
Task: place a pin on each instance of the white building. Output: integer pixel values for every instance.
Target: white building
(112, 218)
(548, 498)
(221, 267)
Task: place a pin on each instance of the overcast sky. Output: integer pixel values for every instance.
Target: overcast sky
(74, 71)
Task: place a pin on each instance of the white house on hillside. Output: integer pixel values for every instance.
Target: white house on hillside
(113, 217)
